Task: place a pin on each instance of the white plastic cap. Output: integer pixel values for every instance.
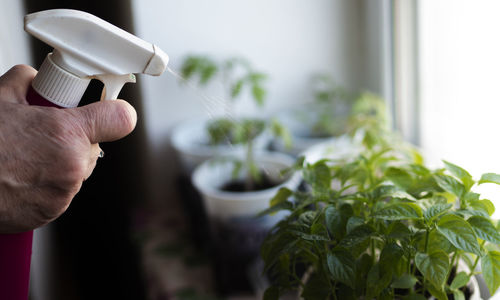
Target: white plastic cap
(69, 88)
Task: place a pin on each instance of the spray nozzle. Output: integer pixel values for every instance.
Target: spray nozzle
(87, 47)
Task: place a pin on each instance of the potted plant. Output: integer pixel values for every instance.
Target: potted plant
(379, 224)
(237, 177)
(323, 119)
(196, 140)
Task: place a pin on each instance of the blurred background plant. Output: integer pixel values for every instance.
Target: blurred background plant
(237, 76)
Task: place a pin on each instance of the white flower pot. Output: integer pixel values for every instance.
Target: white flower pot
(191, 143)
(236, 231)
(337, 148)
(210, 176)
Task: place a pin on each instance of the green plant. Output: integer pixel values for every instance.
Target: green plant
(381, 225)
(237, 75)
(331, 106)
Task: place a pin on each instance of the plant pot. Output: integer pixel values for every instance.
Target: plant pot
(299, 121)
(210, 176)
(237, 232)
(191, 143)
(340, 147)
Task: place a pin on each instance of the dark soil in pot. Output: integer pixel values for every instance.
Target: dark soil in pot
(240, 185)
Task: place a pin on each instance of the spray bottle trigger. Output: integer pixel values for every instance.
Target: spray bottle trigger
(113, 84)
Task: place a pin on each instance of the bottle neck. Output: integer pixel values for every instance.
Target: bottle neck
(59, 86)
(34, 98)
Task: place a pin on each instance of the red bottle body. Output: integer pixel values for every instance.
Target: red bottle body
(15, 249)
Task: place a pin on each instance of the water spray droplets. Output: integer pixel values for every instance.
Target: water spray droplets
(211, 103)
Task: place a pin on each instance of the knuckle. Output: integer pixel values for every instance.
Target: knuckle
(73, 171)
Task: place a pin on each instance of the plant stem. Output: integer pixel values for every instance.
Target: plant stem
(426, 240)
(372, 246)
(476, 261)
(425, 249)
(453, 258)
(249, 180)
(409, 264)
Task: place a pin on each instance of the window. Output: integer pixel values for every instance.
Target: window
(459, 47)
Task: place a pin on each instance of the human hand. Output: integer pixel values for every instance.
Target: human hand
(46, 153)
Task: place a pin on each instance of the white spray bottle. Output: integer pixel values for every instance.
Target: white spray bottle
(85, 47)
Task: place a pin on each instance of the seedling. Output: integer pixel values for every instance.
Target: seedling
(238, 76)
(330, 107)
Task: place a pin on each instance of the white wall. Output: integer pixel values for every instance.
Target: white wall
(289, 39)
(13, 39)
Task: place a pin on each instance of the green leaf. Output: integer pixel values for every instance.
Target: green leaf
(275, 245)
(415, 297)
(274, 209)
(281, 196)
(458, 295)
(363, 266)
(307, 218)
(342, 266)
(438, 293)
(309, 237)
(236, 88)
(399, 211)
(257, 77)
(433, 266)
(490, 178)
(353, 222)
(376, 281)
(450, 184)
(272, 293)
(471, 196)
(357, 236)
(484, 229)
(435, 211)
(281, 132)
(207, 73)
(490, 266)
(487, 206)
(481, 207)
(437, 241)
(398, 230)
(336, 220)
(259, 94)
(459, 233)
(399, 177)
(460, 280)
(319, 177)
(390, 256)
(316, 288)
(406, 281)
(461, 174)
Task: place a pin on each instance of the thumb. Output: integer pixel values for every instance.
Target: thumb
(105, 121)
